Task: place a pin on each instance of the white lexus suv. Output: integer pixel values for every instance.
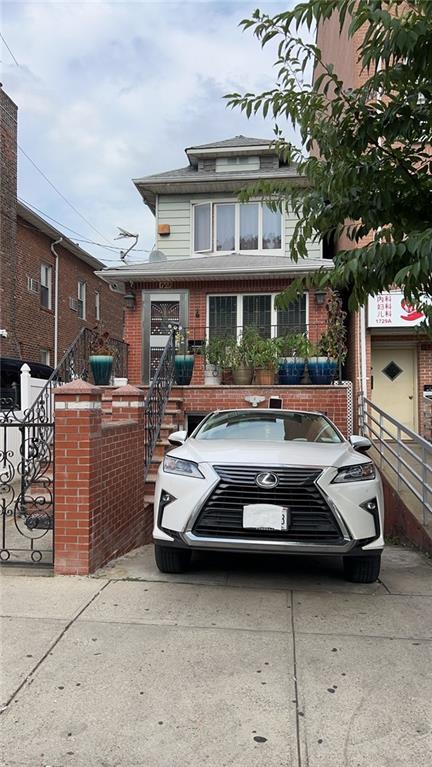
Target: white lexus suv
(262, 480)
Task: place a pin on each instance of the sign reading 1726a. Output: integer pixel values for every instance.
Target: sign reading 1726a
(392, 310)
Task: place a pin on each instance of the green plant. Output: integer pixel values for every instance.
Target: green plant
(332, 343)
(243, 353)
(215, 350)
(266, 354)
(369, 176)
(294, 345)
(100, 343)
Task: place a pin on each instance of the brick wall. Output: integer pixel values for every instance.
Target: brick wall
(8, 193)
(334, 401)
(99, 477)
(35, 325)
(198, 293)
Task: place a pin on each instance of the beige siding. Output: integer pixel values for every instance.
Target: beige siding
(175, 210)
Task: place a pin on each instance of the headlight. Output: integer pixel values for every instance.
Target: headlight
(357, 473)
(179, 466)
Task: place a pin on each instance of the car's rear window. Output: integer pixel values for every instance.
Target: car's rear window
(268, 427)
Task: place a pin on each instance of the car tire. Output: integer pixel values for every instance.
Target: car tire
(362, 569)
(170, 560)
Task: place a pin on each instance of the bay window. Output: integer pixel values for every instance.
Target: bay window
(236, 227)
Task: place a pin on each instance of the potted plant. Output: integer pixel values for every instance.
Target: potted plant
(293, 350)
(101, 356)
(214, 355)
(184, 359)
(266, 361)
(242, 357)
(331, 350)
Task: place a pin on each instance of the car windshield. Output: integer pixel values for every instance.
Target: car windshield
(269, 427)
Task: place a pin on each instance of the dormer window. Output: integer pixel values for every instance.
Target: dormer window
(226, 227)
(227, 164)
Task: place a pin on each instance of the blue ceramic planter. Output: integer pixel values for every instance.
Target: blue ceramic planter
(322, 370)
(183, 369)
(291, 370)
(101, 367)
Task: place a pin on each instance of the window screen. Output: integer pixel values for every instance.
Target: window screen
(257, 314)
(292, 319)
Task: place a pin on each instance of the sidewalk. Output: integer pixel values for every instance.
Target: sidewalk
(245, 662)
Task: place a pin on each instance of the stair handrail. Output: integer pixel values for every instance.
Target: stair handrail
(157, 398)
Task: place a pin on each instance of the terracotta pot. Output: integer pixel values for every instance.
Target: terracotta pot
(227, 377)
(242, 376)
(264, 377)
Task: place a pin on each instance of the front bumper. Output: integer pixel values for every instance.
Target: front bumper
(355, 530)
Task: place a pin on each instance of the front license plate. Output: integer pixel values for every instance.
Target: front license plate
(266, 516)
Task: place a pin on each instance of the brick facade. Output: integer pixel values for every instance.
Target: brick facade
(25, 241)
(35, 324)
(198, 320)
(8, 196)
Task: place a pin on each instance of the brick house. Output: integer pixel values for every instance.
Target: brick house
(220, 264)
(39, 324)
(389, 359)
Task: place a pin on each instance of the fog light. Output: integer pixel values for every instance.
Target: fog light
(165, 499)
(370, 506)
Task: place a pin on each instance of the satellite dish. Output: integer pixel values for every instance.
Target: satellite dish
(157, 255)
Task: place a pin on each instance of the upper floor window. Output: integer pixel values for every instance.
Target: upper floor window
(97, 305)
(81, 300)
(46, 286)
(233, 226)
(227, 164)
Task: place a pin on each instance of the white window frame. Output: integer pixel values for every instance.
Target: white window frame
(97, 305)
(46, 271)
(198, 205)
(47, 354)
(82, 301)
(213, 229)
(273, 316)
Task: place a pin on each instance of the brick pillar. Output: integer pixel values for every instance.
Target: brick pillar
(78, 422)
(132, 334)
(198, 370)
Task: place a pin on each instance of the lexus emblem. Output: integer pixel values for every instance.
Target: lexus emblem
(266, 480)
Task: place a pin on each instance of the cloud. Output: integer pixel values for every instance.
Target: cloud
(111, 91)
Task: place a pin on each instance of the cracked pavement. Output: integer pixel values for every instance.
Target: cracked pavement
(244, 661)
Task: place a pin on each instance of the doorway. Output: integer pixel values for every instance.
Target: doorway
(393, 382)
(161, 310)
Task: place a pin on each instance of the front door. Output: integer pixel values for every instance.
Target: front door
(394, 383)
(162, 309)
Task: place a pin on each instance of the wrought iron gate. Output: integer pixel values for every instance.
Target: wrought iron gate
(27, 484)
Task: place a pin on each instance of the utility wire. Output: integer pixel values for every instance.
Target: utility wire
(5, 43)
(79, 234)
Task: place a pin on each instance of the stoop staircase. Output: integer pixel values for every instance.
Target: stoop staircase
(173, 419)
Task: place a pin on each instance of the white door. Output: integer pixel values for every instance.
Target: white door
(393, 382)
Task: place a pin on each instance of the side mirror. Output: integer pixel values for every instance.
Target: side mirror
(361, 444)
(177, 438)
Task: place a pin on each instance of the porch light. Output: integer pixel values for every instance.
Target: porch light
(129, 299)
(320, 297)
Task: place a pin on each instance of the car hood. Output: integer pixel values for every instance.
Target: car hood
(269, 453)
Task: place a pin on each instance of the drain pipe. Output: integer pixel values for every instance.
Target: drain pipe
(56, 302)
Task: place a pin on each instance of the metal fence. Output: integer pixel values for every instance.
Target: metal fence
(401, 451)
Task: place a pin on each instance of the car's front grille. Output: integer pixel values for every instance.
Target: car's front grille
(311, 519)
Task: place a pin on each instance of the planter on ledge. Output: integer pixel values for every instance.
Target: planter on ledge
(291, 370)
(264, 376)
(322, 370)
(183, 369)
(212, 375)
(101, 367)
(242, 376)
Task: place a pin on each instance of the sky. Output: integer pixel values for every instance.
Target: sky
(110, 91)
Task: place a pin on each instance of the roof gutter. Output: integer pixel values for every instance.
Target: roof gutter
(56, 299)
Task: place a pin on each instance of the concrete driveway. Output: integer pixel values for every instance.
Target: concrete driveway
(243, 662)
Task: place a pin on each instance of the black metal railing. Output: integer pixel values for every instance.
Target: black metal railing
(157, 398)
(27, 458)
(227, 345)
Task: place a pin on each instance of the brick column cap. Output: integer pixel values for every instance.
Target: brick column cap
(77, 387)
(128, 391)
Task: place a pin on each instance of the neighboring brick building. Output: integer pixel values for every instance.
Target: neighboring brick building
(28, 273)
(390, 359)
